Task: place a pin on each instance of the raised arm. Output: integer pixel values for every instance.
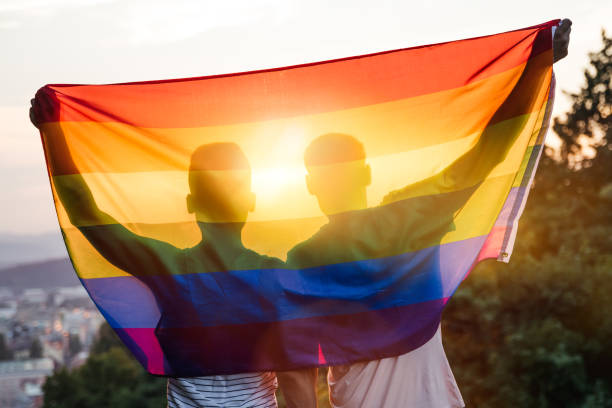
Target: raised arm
(130, 252)
(72, 191)
(494, 143)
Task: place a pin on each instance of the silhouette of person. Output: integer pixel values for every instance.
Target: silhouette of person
(220, 198)
(338, 176)
(408, 219)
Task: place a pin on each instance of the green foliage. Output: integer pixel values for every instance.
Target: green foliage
(36, 349)
(591, 115)
(5, 351)
(110, 378)
(74, 345)
(105, 340)
(536, 332)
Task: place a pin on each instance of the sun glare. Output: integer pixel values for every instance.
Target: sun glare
(277, 180)
(269, 183)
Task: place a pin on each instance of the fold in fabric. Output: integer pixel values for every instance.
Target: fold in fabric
(318, 214)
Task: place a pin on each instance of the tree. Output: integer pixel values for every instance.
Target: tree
(36, 349)
(105, 340)
(590, 118)
(74, 345)
(535, 333)
(5, 352)
(109, 378)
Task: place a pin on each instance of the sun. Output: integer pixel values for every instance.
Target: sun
(270, 183)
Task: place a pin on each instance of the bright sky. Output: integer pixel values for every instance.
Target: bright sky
(102, 41)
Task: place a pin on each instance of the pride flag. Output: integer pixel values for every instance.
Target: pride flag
(318, 214)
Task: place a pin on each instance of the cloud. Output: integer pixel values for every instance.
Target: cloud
(9, 24)
(160, 22)
(145, 22)
(16, 13)
(44, 7)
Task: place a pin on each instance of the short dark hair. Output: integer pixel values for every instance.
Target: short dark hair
(219, 156)
(333, 148)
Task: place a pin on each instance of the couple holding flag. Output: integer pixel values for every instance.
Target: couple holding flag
(345, 305)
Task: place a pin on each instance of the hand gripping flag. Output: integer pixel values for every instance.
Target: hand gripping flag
(318, 214)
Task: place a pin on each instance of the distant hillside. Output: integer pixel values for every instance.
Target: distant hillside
(46, 275)
(21, 249)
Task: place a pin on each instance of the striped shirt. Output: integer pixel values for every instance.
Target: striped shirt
(250, 390)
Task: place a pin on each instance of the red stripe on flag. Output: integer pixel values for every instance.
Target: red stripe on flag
(298, 90)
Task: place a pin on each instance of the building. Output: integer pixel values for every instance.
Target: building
(21, 381)
(34, 295)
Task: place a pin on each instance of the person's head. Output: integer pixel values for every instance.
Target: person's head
(337, 172)
(220, 184)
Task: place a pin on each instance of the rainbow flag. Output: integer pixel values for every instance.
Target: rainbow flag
(318, 214)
